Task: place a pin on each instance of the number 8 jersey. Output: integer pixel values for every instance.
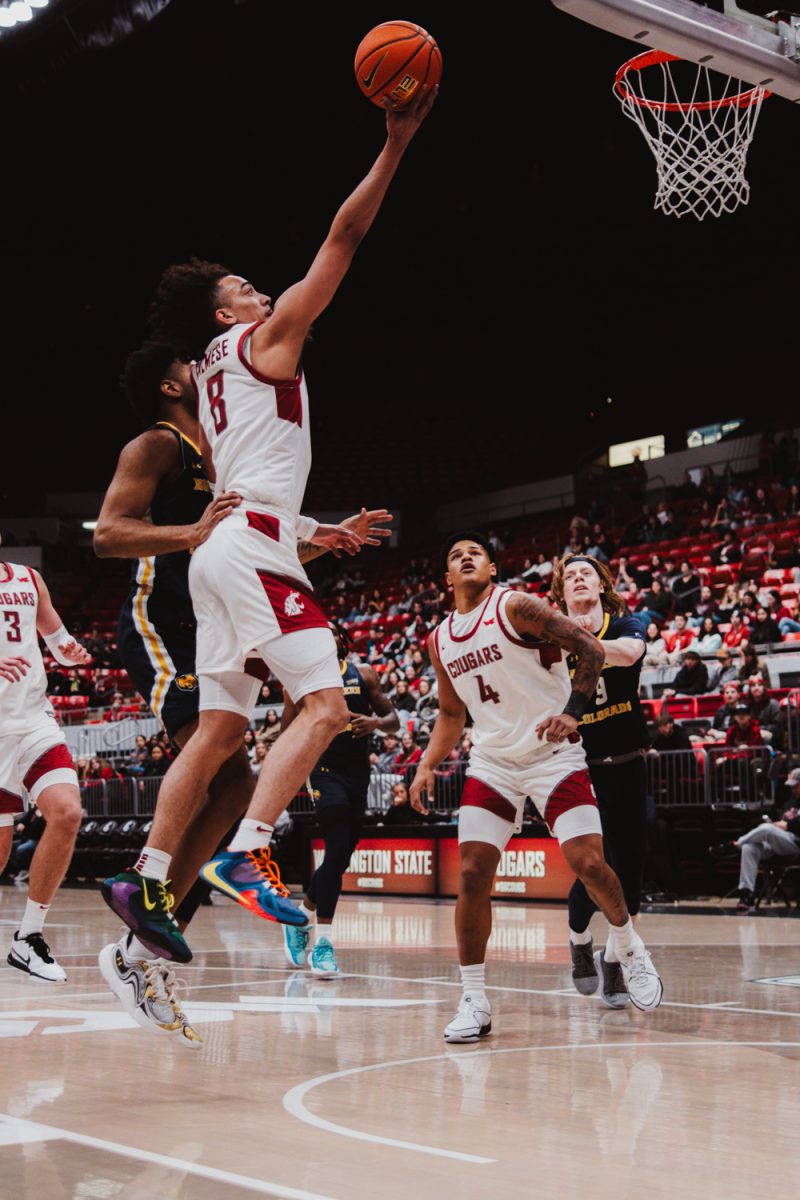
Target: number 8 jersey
(508, 683)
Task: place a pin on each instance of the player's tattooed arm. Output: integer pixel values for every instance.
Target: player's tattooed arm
(534, 620)
(368, 525)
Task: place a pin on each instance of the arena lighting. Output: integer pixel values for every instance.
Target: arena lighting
(18, 12)
(88, 524)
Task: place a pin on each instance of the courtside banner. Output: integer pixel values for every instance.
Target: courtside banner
(530, 868)
(399, 865)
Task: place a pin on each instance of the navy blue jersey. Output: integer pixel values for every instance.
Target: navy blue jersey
(615, 724)
(162, 581)
(345, 752)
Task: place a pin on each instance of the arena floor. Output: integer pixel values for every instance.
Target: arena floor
(345, 1089)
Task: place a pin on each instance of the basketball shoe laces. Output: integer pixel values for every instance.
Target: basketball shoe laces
(166, 900)
(162, 984)
(267, 868)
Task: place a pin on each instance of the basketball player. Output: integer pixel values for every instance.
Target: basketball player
(614, 733)
(499, 655)
(339, 785)
(252, 601)
(34, 755)
(161, 473)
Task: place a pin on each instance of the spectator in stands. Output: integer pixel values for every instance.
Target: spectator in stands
(259, 754)
(82, 768)
(249, 739)
(726, 672)
(686, 588)
(778, 839)
(395, 644)
(427, 705)
(271, 728)
(465, 748)
(656, 603)
(384, 762)
(708, 641)
(761, 507)
(729, 603)
(389, 679)
(624, 577)
(102, 688)
(792, 503)
(376, 604)
(100, 770)
(157, 765)
(116, 710)
(74, 685)
(655, 652)
(752, 665)
(691, 680)
(771, 599)
(764, 631)
(766, 711)
(400, 811)
(669, 736)
(403, 698)
(138, 756)
(743, 730)
(677, 639)
(543, 567)
(727, 552)
(738, 634)
(790, 623)
(723, 717)
(27, 833)
(706, 606)
(409, 754)
(723, 515)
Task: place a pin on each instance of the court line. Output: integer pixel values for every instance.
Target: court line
(164, 1160)
(293, 1100)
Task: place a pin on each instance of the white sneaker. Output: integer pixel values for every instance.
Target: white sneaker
(641, 978)
(472, 1021)
(147, 989)
(32, 954)
(613, 993)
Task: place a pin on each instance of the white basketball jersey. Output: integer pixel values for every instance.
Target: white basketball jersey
(507, 684)
(23, 703)
(258, 428)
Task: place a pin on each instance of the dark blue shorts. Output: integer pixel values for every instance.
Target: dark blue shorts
(161, 665)
(340, 789)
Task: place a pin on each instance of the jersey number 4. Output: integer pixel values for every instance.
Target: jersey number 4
(486, 691)
(216, 402)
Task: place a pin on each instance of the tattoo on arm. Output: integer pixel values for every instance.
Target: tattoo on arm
(307, 550)
(534, 619)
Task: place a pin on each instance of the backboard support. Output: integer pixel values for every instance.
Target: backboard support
(734, 42)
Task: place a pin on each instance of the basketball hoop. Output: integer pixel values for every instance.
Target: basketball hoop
(700, 144)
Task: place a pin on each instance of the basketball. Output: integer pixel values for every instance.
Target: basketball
(396, 59)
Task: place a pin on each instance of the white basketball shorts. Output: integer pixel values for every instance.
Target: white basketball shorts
(33, 760)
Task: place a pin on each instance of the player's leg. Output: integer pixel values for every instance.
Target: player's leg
(6, 839)
(570, 810)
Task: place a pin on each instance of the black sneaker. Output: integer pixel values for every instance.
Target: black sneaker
(584, 972)
(724, 850)
(746, 901)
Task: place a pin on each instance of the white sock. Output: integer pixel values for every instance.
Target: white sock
(580, 939)
(621, 939)
(133, 950)
(34, 918)
(473, 979)
(251, 835)
(322, 931)
(309, 913)
(154, 864)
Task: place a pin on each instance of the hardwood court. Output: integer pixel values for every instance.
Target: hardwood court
(345, 1089)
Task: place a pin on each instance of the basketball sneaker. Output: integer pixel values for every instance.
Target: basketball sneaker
(613, 993)
(32, 954)
(472, 1021)
(252, 879)
(148, 992)
(322, 959)
(145, 905)
(584, 971)
(295, 944)
(641, 978)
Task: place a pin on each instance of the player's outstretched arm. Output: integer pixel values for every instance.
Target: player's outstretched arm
(534, 618)
(384, 718)
(51, 629)
(367, 526)
(276, 345)
(619, 652)
(123, 530)
(447, 729)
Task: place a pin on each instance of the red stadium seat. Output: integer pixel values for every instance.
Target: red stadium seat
(682, 706)
(706, 706)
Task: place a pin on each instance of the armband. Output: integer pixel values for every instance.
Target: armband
(306, 528)
(60, 638)
(577, 705)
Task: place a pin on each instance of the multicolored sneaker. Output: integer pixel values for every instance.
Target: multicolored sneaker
(322, 959)
(145, 905)
(252, 879)
(147, 989)
(295, 944)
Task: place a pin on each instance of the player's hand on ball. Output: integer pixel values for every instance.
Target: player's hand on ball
(556, 729)
(337, 538)
(220, 507)
(424, 781)
(368, 525)
(403, 123)
(13, 669)
(75, 652)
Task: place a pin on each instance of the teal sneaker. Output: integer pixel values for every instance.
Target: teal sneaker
(295, 944)
(145, 906)
(322, 960)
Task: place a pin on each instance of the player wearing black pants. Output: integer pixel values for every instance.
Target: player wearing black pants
(614, 734)
(339, 785)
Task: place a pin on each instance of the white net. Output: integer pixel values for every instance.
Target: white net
(699, 126)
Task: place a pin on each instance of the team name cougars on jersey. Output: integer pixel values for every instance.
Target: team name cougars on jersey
(477, 658)
(293, 605)
(19, 598)
(212, 356)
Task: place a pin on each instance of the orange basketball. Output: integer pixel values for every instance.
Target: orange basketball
(396, 59)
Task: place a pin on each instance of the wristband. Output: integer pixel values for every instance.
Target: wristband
(306, 528)
(577, 705)
(60, 638)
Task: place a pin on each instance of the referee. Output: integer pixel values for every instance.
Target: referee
(614, 734)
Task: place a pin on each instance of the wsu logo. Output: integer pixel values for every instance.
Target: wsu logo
(293, 605)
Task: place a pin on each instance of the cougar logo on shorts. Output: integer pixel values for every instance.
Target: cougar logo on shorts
(293, 605)
(187, 683)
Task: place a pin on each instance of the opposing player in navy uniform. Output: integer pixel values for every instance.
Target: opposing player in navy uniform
(614, 734)
(339, 785)
(158, 508)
